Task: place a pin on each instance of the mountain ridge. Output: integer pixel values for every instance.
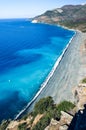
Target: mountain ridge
(71, 16)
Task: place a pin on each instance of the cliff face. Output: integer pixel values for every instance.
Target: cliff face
(72, 16)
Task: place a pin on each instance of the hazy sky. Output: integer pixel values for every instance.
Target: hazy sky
(30, 8)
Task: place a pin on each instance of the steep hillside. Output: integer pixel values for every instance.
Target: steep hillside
(72, 16)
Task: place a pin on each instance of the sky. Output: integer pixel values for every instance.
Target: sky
(31, 8)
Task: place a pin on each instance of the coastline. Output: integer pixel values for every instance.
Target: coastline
(61, 77)
(68, 73)
(44, 84)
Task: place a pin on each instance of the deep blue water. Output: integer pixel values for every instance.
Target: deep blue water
(27, 54)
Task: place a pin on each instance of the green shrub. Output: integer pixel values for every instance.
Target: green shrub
(22, 126)
(24, 117)
(43, 123)
(53, 113)
(84, 80)
(4, 124)
(43, 105)
(64, 106)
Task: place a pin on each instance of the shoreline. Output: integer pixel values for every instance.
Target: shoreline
(67, 75)
(58, 25)
(43, 85)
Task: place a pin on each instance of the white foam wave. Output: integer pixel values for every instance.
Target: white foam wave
(47, 79)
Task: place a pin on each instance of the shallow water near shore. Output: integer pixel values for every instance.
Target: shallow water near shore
(27, 54)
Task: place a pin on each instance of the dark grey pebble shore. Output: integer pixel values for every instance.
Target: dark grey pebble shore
(69, 72)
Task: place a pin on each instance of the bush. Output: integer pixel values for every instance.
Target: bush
(24, 117)
(84, 80)
(64, 106)
(43, 123)
(22, 126)
(4, 124)
(43, 105)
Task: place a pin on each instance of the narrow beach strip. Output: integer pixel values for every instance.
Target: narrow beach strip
(47, 79)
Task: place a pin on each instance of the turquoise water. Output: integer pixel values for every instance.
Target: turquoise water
(27, 54)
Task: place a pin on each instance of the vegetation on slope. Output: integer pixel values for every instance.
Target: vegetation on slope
(22, 127)
(50, 110)
(84, 80)
(71, 16)
(64, 106)
(45, 107)
(4, 124)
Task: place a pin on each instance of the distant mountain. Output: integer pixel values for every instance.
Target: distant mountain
(71, 16)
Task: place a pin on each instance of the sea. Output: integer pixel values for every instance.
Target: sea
(28, 52)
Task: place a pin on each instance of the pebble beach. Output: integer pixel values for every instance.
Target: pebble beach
(70, 71)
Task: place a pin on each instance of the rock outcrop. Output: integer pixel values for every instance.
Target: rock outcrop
(62, 124)
(80, 96)
(71, 121)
